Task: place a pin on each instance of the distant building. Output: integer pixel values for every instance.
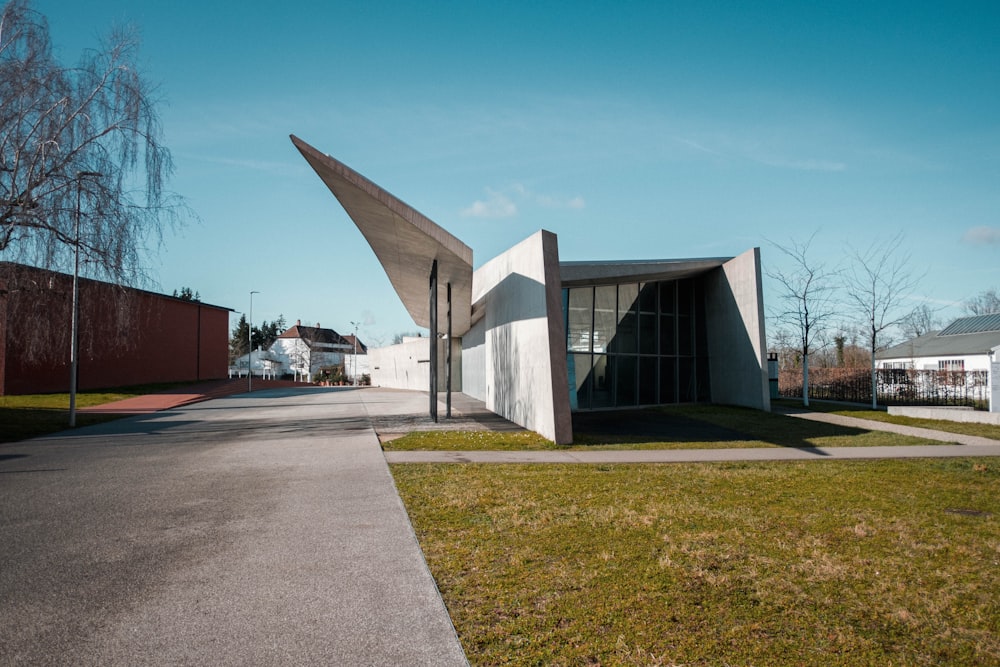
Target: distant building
(964, 345)
(303, 351)
(127, 336)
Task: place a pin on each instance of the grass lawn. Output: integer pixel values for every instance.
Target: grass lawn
(783, 563)
(32, 415)
(982, 430)
(674, 427)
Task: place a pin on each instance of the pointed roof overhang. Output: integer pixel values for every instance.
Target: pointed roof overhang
(405, 242)
(574, 274)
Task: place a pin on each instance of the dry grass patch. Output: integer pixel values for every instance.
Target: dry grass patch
(806, 563)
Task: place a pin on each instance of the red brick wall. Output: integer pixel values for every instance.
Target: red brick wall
(127, 337)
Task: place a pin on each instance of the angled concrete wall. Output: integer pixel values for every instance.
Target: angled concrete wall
(407, 365)
(515, 356)
(734, 309)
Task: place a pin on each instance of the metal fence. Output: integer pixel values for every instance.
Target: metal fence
(894, 386)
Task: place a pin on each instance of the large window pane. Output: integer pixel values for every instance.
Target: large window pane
(605, 316)
(668, 294)
(668, 335)
(668, 380)
(627, 335)
(580, 370)
(685, 298)
(600, 384)
(704, 386)
(647, 333)
(647, 298)
(579, 319)
(625, 380)
(647, 380)
(686, 381)
(685, 337)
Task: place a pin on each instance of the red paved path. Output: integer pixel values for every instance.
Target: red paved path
(173, 398)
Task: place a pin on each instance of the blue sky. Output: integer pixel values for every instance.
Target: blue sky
(638, 130)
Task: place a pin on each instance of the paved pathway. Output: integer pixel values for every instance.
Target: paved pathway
(254, 529)
(872, 425)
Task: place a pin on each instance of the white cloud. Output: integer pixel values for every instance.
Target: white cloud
(496, 205)
(557, 202)
(982, 235)
(502, 205)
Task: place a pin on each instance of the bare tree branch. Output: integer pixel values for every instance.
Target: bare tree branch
(984, 303)
(806, 294)
(878, 281)
(57, 122)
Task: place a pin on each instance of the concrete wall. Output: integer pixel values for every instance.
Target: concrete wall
(516, 355)
(734, 311)
(953, 414)
(127, 336)
(407, 365)
(474, 361)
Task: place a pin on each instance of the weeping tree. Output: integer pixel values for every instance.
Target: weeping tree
(806, 288)
(82, 164)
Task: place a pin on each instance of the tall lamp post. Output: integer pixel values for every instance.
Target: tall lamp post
(250, 345)
(355, 324)
(74, 345)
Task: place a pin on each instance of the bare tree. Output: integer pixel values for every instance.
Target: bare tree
(86, 136)
(919, 321)
(806, 294)
(984, 303)
(878, 281)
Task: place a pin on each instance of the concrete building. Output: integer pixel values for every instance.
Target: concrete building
(536, 339)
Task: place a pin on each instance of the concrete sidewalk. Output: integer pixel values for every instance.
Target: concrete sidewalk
(259, 528)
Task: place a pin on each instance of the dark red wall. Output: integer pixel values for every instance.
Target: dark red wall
(127, 336)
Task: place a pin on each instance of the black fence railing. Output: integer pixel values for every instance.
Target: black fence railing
(894, 386)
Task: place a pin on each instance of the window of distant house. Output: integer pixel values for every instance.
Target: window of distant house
(951, 365)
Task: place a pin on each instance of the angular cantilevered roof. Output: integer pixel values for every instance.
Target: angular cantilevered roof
(575, 274)
(405, 242)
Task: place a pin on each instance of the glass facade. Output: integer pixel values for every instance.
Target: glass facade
(636, 344)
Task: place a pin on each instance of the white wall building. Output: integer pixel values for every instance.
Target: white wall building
(967, 344)
(303, 350)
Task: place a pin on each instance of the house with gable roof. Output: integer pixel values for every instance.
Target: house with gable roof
(303, 350)
(967, 344)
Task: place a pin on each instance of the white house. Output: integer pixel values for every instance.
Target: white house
(304, 350)
(261, 362)
(967, 344)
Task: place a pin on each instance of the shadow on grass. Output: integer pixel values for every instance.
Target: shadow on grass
(726, 426)
(18, 424)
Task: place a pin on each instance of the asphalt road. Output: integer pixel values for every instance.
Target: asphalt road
(250, 530)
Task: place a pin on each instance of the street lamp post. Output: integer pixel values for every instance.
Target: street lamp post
(74, 345)
(355, 324)
(250, 345)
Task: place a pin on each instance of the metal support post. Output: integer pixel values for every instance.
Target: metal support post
(433, 339)
(447, 356)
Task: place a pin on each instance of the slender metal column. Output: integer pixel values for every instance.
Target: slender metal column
(433, 340)
(447, 356)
